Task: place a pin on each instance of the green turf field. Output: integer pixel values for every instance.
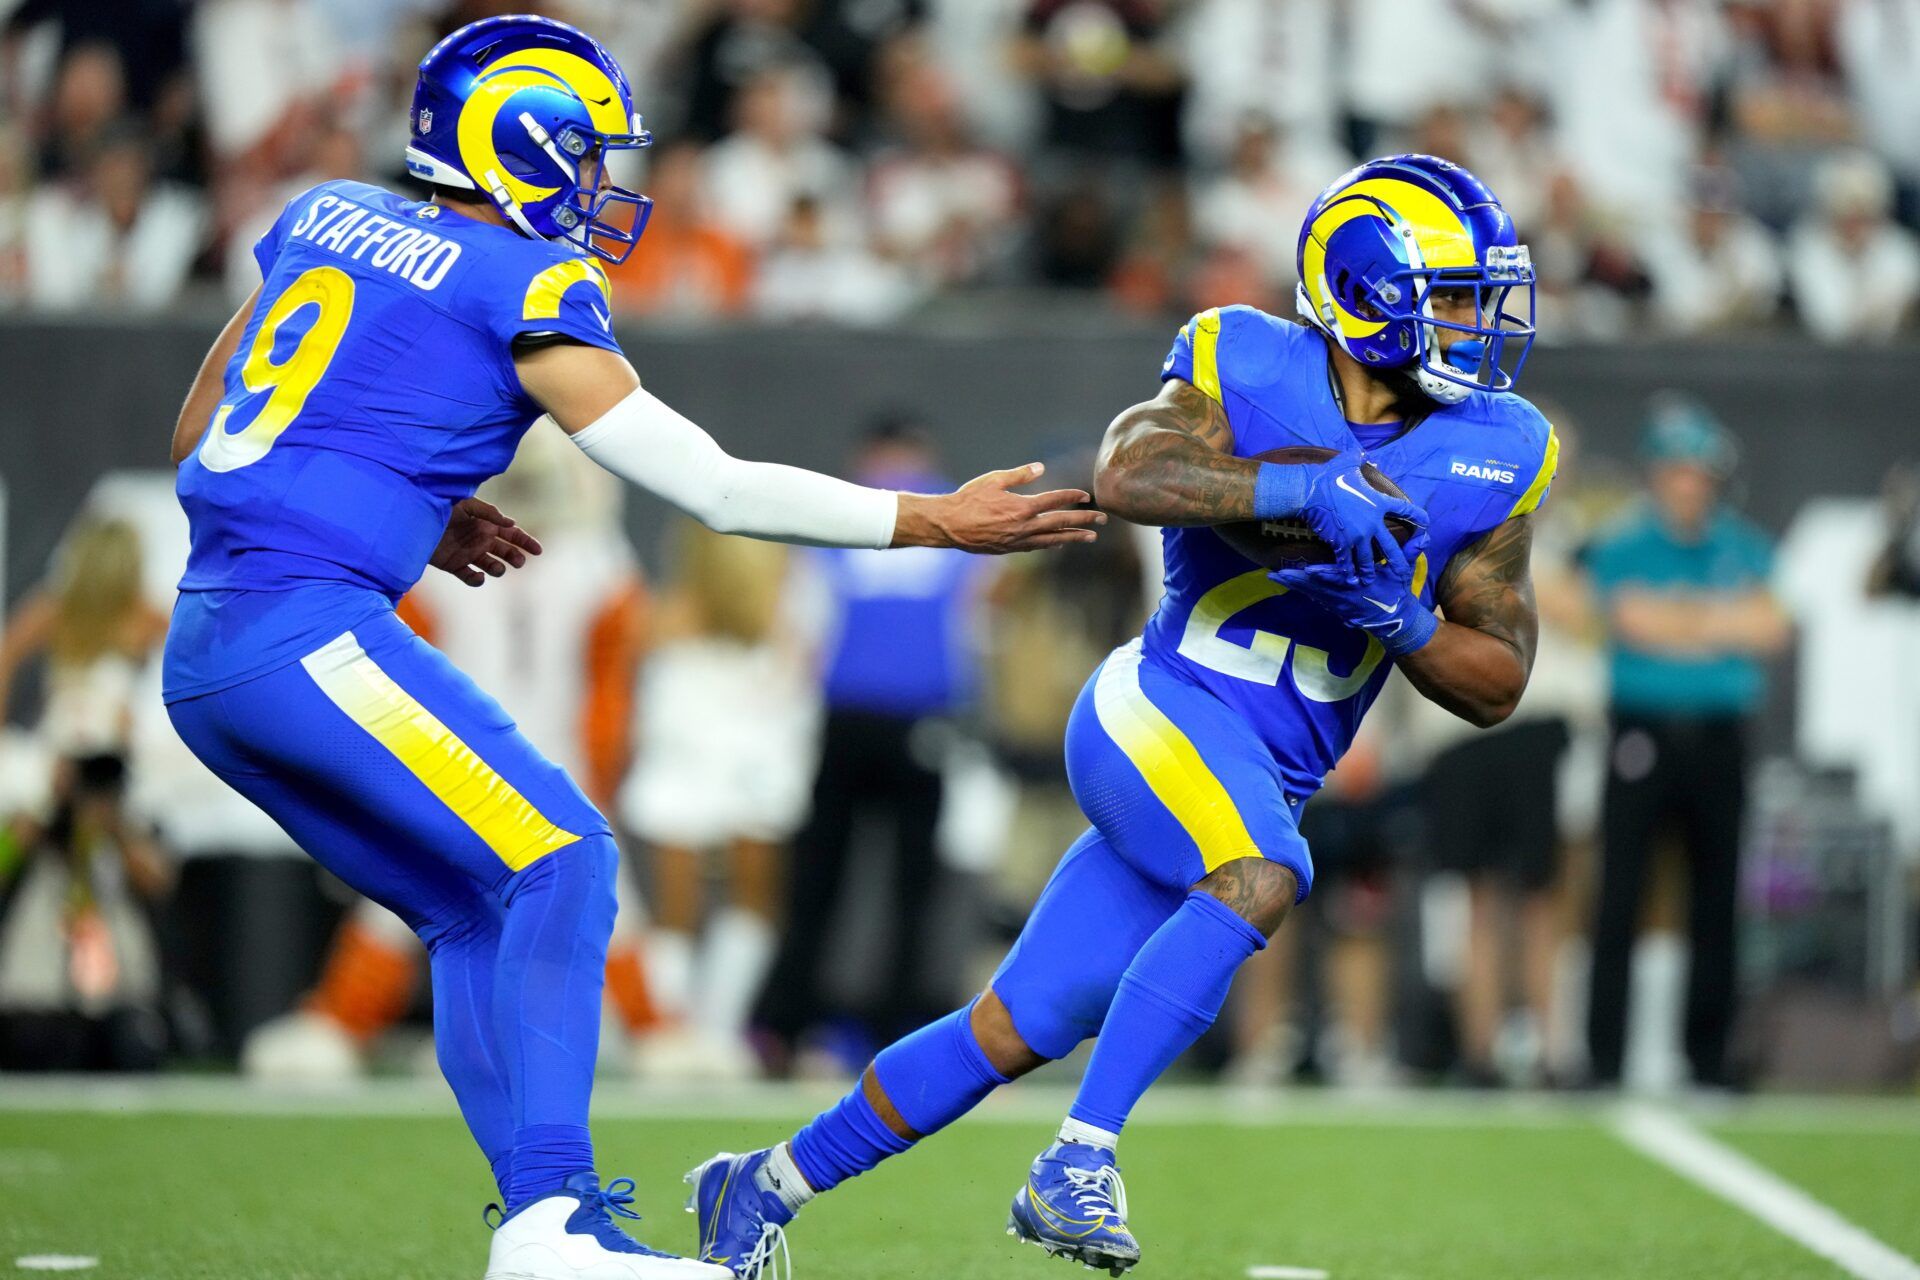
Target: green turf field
(1420, 1189)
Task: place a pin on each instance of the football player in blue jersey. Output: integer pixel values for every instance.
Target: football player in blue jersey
(1193, 747)
(392, 358)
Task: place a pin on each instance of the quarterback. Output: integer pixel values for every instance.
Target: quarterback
(390, 361)
(1193, 747)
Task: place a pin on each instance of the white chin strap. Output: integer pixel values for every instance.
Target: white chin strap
(1445, 390)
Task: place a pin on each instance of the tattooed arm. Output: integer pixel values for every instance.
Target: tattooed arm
(1169, 462)
(1477, 663)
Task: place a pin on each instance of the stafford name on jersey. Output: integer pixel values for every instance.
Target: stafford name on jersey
(414, 254)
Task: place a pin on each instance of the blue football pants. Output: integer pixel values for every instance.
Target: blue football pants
(396, 773)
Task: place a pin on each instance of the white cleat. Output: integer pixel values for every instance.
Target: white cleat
(572, 1236)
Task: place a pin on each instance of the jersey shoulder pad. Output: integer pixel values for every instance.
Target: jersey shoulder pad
(1237, 348)
(529, 287)
(1521, 431)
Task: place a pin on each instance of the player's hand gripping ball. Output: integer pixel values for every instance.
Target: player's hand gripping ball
(1282, 544)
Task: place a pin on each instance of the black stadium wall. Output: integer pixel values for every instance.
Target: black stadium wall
(85, 397)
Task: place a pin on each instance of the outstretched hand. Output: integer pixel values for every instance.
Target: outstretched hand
(986, 517)
(480, 542)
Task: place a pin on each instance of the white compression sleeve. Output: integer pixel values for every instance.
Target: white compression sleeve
(645, 441)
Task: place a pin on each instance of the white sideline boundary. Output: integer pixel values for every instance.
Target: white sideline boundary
(1669, 1140)
(1025, 1104)
(1030, 1102)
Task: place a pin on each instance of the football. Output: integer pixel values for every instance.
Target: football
(1281, 544)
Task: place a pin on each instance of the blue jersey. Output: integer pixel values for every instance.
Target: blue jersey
(1295, 673)
(374, 387)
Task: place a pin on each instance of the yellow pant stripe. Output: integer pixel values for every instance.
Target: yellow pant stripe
(1206, 352)
(1173, 769)
(518, 833)
(1530, 500)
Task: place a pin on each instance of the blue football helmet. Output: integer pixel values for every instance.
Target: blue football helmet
(527, 110)
(1377, 244)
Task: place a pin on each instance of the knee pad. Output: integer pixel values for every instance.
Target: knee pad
(581, 875)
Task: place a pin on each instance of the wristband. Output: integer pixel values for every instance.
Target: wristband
(1278, 491)
(1421, 623)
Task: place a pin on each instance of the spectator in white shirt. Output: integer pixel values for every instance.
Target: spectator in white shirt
(1257, 204)
(1855, 274)
(812, 273)
(1513, 153)
(113, 239)
(775, 156)
(938, 203)
(1879, 49)
(1715, 266)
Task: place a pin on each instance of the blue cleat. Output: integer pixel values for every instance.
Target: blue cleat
(742, 1217)
(1075, 1206)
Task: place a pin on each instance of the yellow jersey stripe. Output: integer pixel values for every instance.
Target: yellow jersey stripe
(1530, 500)
(518, 833)
(546, 289)
(1206, 352)
(1173, 769)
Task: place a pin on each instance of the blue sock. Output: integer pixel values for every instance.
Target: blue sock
(932, 1077)
(844, 1141)
(544, 1156)
(546, 1006)
(1171, 993)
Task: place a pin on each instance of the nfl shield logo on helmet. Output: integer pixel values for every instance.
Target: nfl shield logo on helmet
(426, 119)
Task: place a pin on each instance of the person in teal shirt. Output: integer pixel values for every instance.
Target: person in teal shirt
(1681, 584)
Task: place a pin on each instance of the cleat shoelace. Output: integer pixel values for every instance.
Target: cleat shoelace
(768, 1259)
(1098, 1191)
(614, 1198)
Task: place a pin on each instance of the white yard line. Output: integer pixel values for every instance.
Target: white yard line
(55, 1262)
(1670, 1140)
(1285, 1273)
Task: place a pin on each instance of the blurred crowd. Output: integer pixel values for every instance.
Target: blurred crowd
(1683, 166)
(838, 777)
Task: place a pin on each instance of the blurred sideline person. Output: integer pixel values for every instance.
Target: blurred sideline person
(1051, 619)
(1681, 584)
(96, 630)
(1338, 964)
(79, 962)
(1193, 747)
(323, 476)
(896, 656)
(726, 730)
(1494, 813)
(558, 643)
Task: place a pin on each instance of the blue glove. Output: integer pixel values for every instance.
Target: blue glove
(1384, 608)
(1338, 504)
